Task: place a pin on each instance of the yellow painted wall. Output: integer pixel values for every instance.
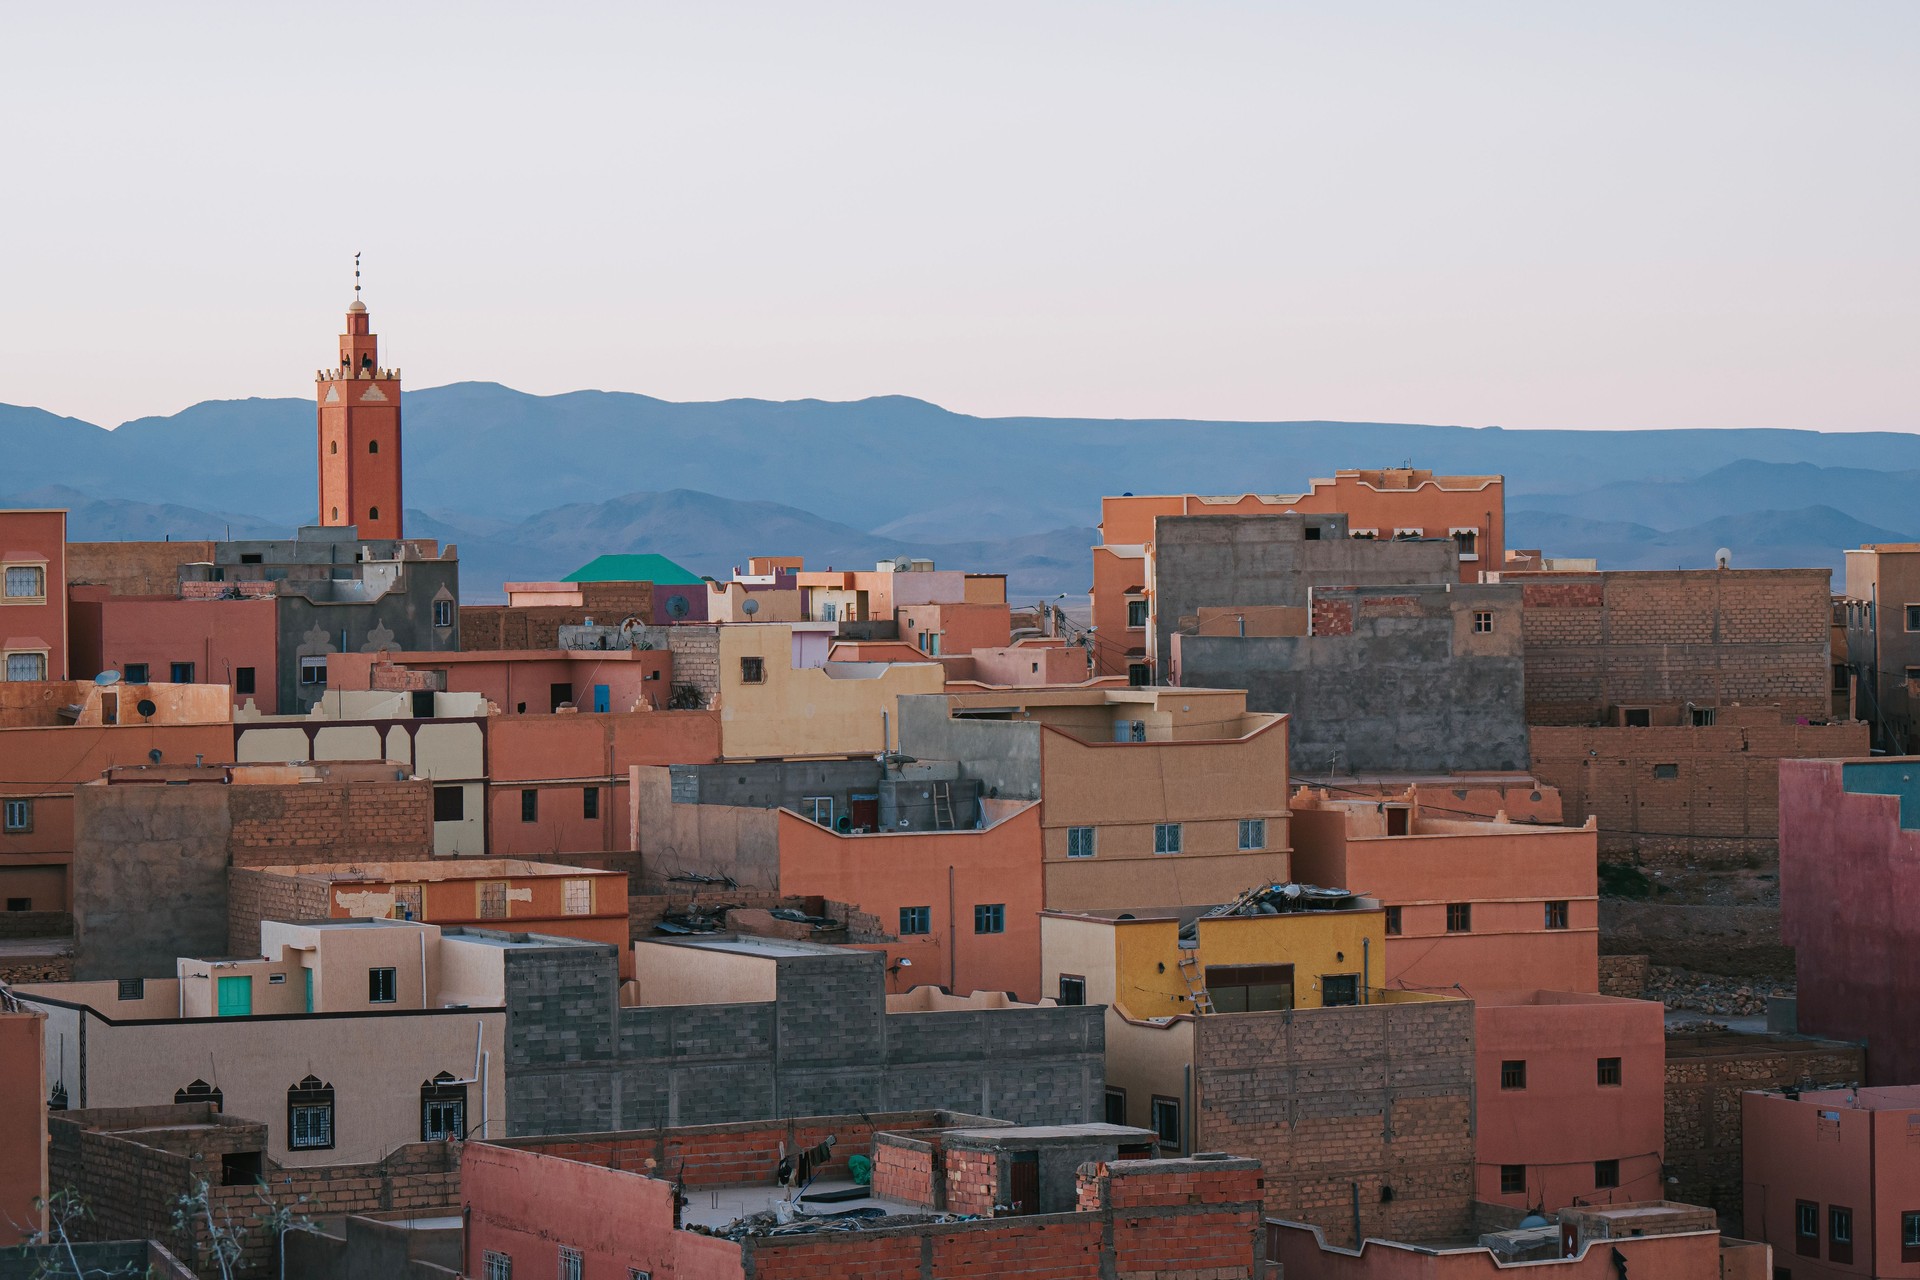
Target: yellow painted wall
(807, 712)
(1146, 954)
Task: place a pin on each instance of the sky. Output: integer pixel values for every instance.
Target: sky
(1525, 214)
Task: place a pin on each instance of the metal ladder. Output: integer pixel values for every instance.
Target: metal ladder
(942, 807)
(1196, 986)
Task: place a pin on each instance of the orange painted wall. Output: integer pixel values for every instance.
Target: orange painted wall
(880, 874)
(1861, 1159)
(561, 755)
(962, 627)
(521, 681)
(215, 635)
(457, 902)
(1114, 641)
(1564, 1119)
(37, 538)
(1508, 878)
(23, 1124)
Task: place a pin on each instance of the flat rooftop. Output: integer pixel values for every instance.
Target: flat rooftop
(1886, 1097)
(749, 945)
(1738, 1044)
(430, 872)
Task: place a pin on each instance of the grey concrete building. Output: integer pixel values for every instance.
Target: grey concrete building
(727, 1028)
(337, 592)
(1407, 679)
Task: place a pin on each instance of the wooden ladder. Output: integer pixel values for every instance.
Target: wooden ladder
(1196, 986)
(942, 807)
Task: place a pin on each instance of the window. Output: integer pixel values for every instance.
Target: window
(1136, 613)
(18, 817)
(1079, 842)
(493, 899)
(529, 805)
(1556, 915)
(1399, 819)
(1459, 917)
(589, 802)
(1513, 1179)
(1703, 717)
(1913, 610)
(819, 809)
(443, 1109)
(1250, 988)
(1166, 1121)
(1139, 675)
(243, 679)
(1840, 684)
(1311, 533)
(1116, 1106)
(1607, 1072)
(251, 557)
(1253, 833)
(1913, 674)
(576, 897)
(1338, 990)
(498, 1266)
(407, 899)
(1513, 1073)
(1606, 1174)
(24, 904)
(310, 1116)
(449, 804)
(1393, 922)
(829, 612)
(1910, 1236)
(1166, 837)
(26, 582)
(635, 1273)
(373, 446)
(753, 671)
(443, 613)
(1482, 622)
(1839, 1234)
(380, 986)
(916, 920)
(990, 917)
(26, 666)
(1073, 989)
(1806, 1228)
(134, 673)
(1666, 771)
(373, 513)
(570, 1263)
(313, 669)
(182, 673)
(1467, 543)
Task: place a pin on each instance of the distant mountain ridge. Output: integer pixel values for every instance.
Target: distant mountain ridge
(531, 486)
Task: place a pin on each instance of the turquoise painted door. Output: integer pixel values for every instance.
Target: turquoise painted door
(602, 698)
(235, 997)
(309, 974)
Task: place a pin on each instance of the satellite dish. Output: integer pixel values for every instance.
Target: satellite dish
(750, 608)
(106, 678)
(1723, 559)
(677, 607)
(146, 708)
(154, 755)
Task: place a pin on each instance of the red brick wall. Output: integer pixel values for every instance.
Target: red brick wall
(1332, 618)
(287, 825)
(904, 1174)
(973, 1182)
(253, 896)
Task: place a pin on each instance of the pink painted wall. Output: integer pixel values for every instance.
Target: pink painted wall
(37, 538)
(1564, 1119)
(962, 627)
(508, 678)
(1021, 665)
(216, 636)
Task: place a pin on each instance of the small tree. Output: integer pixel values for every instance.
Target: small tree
(225, 1238)
(66, 1209)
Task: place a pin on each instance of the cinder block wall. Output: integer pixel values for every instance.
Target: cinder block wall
(255, 895)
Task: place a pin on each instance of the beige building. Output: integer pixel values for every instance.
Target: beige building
(773, 708)
(349, 1038)
(438, 736)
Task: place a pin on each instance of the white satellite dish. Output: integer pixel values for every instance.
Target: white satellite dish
(1723, 559)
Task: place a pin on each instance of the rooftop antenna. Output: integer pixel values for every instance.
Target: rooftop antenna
(356, 276)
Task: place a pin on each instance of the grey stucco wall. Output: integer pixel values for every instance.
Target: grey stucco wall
(825, 1045)
(771, 784)
(1002, 755)
(149, 878)
(1223, 561)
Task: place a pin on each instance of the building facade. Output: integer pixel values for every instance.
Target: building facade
(33, 595)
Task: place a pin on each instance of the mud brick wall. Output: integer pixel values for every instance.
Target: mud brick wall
(1378, 1095)
(254, 895)
(35, 924)
(318, 821)
(1624, 976)
(1705, 1078)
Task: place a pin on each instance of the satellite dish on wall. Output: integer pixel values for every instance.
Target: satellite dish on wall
(677, 607)
(750, 608)
(146, 707)
(106, 678)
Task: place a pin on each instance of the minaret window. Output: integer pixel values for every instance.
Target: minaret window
(373, 446)
(333, 446)
(336, 513)
(373, 513)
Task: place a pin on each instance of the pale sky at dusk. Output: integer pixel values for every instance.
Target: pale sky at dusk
(1537, 215)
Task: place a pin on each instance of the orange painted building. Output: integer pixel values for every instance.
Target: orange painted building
(1832, 1180)
(937, 629)
(234, 642)
(928, 888)
(33, 596)
(23, 1120)
(1572, 1092)
(1470, 902)
(1386, 503)
(524, 682)
(359, 440)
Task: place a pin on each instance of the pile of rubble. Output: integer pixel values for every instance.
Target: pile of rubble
(1683, 989)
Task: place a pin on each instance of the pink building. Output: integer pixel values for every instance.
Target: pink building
(1572, 1094)
(521, 682)
(1849, 872)
(33, 595)
(1832, 1180)
(229, 638)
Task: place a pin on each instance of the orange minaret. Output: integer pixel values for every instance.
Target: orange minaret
(360, 432)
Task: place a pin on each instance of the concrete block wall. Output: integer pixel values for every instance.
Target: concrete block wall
(1375, 1097)
(254, 895)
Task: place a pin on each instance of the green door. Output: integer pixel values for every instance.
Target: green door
(236, 997)
(309, 974)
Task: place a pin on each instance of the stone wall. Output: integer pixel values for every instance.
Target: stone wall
(254, 895)
(1705, 1077)
(1624, 976)
(696, 660)
(1378, 1097)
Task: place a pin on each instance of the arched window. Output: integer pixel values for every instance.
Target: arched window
(310, 1116)
(373, 446)
(333, 446)
(336, 513)
(373, 513)
(443, 1109)
(201, 1091)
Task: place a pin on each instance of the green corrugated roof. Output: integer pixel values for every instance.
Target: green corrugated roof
(633, 568)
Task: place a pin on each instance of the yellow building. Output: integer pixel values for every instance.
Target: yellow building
(772, 707)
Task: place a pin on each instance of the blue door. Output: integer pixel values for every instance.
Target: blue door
(602, 699)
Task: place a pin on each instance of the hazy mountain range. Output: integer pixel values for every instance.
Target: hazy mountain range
(533, 486)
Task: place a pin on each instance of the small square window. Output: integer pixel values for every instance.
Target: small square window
(1459, 917)
(1913, 617)
(1339, 990)
(1666, 771)
(576, 897)
(1166, 837)
(1513, 1073)
(915, 921)
(1606, 1174)
(1909, 1235)
(18, 816)
(529, 805)
(449, 804)
(589, 802)
(1393, 922)
(493, 899)
(313, 669)
(1482, 622)
(1166, 1122)
(1253, 834)
(243, 680)
(1139, 674)
(990, 917)
(1073, 989)
(753, 671)
(1079, 842)
(1637, 718)
(1556, 915)
(443, 613)
(380, 986)
(182, 673)
(1607, 1072)
(134, 673)
(1513, 1179)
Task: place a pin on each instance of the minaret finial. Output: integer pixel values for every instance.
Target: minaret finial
(356, 277)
